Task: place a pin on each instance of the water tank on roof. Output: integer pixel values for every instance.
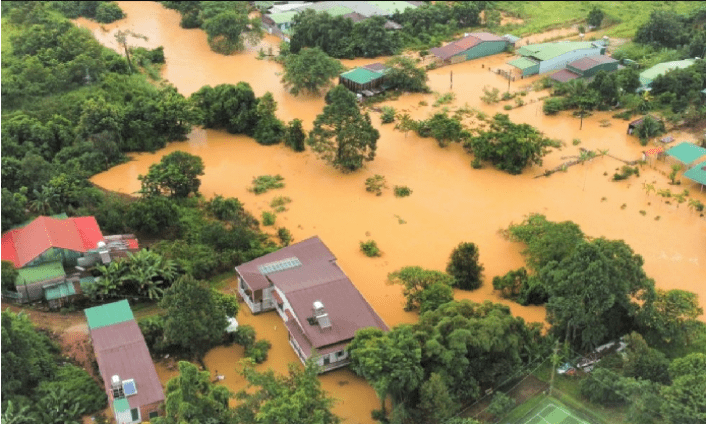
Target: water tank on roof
(115, 380)
(100, 244)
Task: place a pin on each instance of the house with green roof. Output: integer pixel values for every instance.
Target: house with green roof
(545, 57)
(367, 79)
(649, 75)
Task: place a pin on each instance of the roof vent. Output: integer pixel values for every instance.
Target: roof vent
(117, 387)
(321, 316)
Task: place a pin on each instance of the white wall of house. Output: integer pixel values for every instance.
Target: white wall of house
(560, 61)
(254, 306)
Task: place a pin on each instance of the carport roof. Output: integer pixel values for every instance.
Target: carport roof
(697, 173)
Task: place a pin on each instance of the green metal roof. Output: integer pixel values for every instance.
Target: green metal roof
(648, 75)
(392, 6)
(282, 17)
(105, 315)
(337, 10)
(45, 271)
(58, 291)
(546, 51)
(522, 63)
(686, 152)
(697, 173)
(361, 75)
(120, 405)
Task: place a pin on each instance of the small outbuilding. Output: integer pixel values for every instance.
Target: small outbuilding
(585, 67)
(472, 46)
(686, 153)
(369, 78)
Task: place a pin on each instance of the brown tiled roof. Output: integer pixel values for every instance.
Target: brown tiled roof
(309, 251)
(589, 62)
(121, 350)
(564, 75)
(456, 47)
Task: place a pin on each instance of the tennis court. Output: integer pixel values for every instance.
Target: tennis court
(551, 412)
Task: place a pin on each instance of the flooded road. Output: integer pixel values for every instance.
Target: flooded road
(451, 202)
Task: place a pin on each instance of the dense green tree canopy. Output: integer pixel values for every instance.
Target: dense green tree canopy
(685, 399)
(403, 74)
(310, 70)
(176, 175)
(415, 281)
(465, 267)
(671, 318)
(343, 136)
(232, 107)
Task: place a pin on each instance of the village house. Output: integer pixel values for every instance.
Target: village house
(472, 46)
(649, 75)
(52, 255)
(586, 67)
(319, 305)
(545, 57)
(134, 391)
(367, 80)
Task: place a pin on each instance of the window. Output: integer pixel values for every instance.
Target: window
(135, 414)
(327, 360)
(154, 414)
(341, 354)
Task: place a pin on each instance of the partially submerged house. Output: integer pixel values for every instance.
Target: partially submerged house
(472, 46)
(135, 393)
(367, 80)
(585, 67)
(52, 254)
(320, 306)
(545, 57)
(649, 75)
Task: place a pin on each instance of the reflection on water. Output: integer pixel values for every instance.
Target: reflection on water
(451, 202)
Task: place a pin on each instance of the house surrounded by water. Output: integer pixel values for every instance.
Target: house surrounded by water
(134, 391)
(545, 57)
(318, 303)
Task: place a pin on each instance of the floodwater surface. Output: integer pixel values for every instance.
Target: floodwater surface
(451, 202)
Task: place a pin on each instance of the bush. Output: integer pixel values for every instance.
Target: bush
(79, 386)
(465, 267)
(476, 163)
(388, 114)
(553, 105)
(490, 96)
(268, 218)
(108, 12)
(279, 202)
(263, 183)
(258, 351)
(625, 172)
(245, 336)
(370, 248)
(152, 329)
(285, 237)
(402, 191)
(375, 184)
(507, 107)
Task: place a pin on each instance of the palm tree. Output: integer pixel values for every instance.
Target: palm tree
(405, 123)
(680, 198)
(44, 201)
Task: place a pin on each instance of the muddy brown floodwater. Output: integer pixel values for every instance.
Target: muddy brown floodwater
(451, 202)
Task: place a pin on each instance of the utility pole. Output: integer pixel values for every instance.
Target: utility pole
(555, 359)
(509, 77)
(452, 80)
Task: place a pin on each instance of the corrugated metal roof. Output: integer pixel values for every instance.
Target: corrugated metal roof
(547, 51)
(22, 245)
(686, 152)
(121, 350)
(310, 275)
(650, 74)
(564, 75)
(588, 62)
(45, 271)
(465, 43)
(108, 314)
(283, 17)
(60, 290)
(697, 173)
(522, 63)
(361, 75)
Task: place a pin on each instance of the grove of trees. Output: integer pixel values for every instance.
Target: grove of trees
(310, 70)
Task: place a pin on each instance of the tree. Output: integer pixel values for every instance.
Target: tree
(671, 318)
(226, 23)
(664, 28)
(9, 276)
(121, 37)
(685, 400)
(415, 281)
(594, 293)
(435, 295)
(192, 397)
(176, 175)
(194, 320)
(233, 107)
(331, 34)
(343, 136)
(403, 74)
(649, 128)
(310, 70)
(13, 207)
(371, 39)
(152, 215)
(443, 128)
(501, 404)
(296, 398)
(510, 147)
(108, 12)
(295, 136)
(436, 402)
(643, 362)
(464, 266)
(269, 129)
(595, 17)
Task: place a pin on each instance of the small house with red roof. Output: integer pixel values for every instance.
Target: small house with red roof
(318, 303)
(52, 254)
(129, 377)
(472, 46)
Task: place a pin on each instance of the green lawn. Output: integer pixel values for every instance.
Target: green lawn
(622, 18)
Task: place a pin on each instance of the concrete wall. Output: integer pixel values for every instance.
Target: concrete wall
(146, 409)
(560, 61)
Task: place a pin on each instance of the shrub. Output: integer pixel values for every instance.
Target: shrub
(370, 248)
(108, 12)
(245, 336)
(625, 172)
(444, 99)
(285, 237)
(464, 266)
(388, 114)
(375, 184)
(507, 107)
(402, 191)
(263, 183)
(79, 386)
(268, 218)
(476, 163)
(258, 351)
(490, 96)
(576, 141)
(553, 105)
(279, 202)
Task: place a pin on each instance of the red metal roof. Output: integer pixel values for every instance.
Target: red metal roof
(456, 47)
(22, 245)
(564, 75)
(589, 62)
(121, 350)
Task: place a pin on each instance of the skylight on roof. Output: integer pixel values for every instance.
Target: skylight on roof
(129, 387)
(284, 264)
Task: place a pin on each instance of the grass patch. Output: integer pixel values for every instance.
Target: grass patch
(621, 18)
(279, 203)
(444, 99)
(263, 183)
